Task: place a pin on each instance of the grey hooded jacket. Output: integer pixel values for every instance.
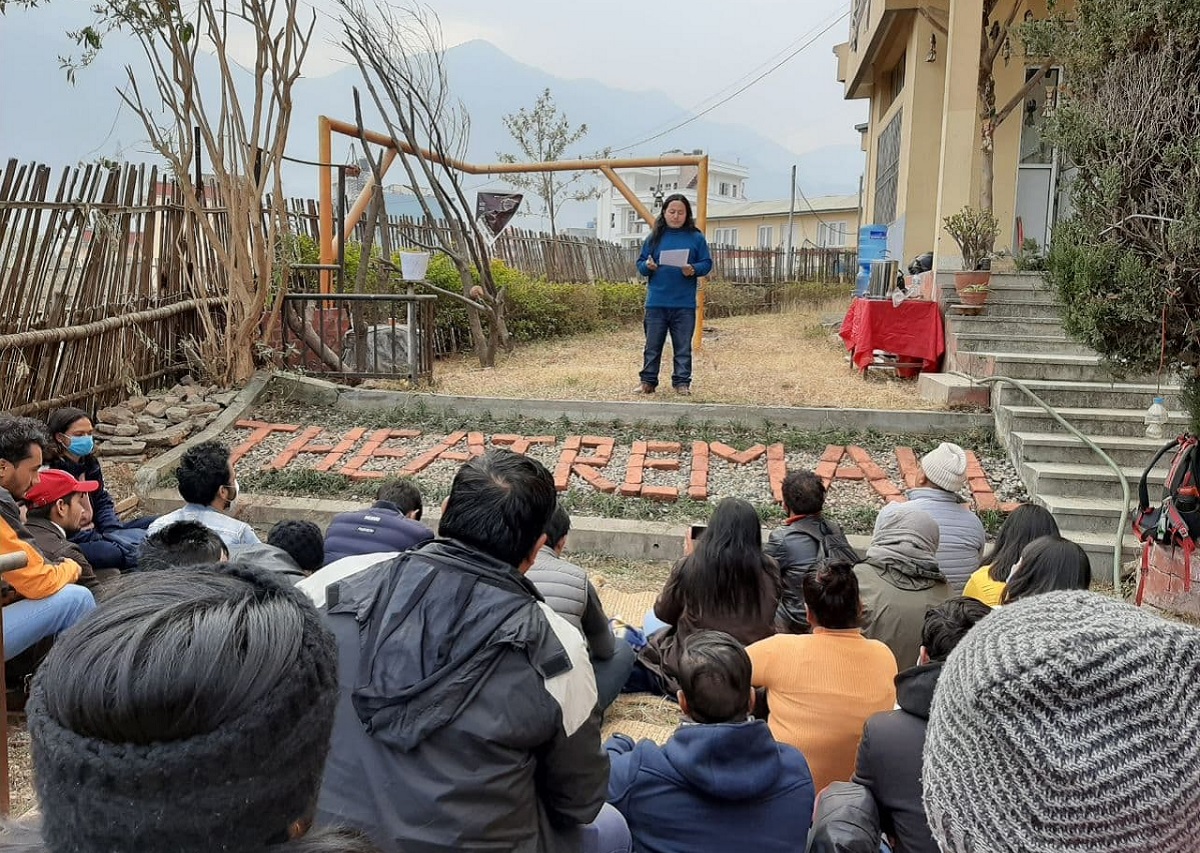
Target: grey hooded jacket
(963, 539)
(467, 718)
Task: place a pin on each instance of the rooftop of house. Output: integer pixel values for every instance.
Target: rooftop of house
(818, 204)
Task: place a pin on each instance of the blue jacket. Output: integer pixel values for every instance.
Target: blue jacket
(717, 788)
(370, 531)
(669, 287)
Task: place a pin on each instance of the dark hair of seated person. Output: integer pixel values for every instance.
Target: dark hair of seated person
(1049, 564)
(803, 493)
(714, 677)
(946, 625)
(831, 594)
(404, 494)
(179, 545)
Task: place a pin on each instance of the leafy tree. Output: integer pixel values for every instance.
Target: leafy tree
(1127, 264)
(543, 134)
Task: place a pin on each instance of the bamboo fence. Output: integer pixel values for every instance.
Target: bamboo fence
(94, 284)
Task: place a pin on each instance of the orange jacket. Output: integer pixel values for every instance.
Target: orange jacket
(39, 579)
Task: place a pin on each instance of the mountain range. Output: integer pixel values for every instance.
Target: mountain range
(44, 118)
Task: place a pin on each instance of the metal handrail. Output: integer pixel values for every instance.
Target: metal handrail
(1119, 547)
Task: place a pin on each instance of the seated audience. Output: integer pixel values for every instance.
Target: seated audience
(208, 484)
(726, 584)
(566, 588)
(467, 717)
(1026, 523)
(899, 581)
(392, 523)
(54, 510)
(823, 686)
(295, 549)
(806, 537)
(189, 714)
(1067, 722)
(181, 545)
(720, 783)
(1048, 564)
(889, 757)
(108, 542)
(962, 538)
(40, 597)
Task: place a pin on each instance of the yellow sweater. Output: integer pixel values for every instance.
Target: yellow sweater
(821, 688)
(981, 587)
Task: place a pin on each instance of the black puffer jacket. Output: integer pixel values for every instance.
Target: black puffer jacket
(889, 760)
(467, 718)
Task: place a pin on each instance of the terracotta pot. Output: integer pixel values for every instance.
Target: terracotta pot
(977, 281)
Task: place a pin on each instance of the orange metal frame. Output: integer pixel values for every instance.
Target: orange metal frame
(326, 127)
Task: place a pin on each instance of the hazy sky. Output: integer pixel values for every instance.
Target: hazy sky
(691, 57)
(695, 58)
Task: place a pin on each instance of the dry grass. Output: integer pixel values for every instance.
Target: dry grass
(787, 359)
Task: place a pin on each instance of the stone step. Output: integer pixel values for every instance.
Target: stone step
(1131, 451)
(1003, 289)
(1083, 481)
(1057, 344)
(1101, 395)
(1099, 548)
(1015, 308)
(1051, 367)
(1087, 515)
(986, 324)
(1115, 422)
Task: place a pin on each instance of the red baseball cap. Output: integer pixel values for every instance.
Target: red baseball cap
(55, 485)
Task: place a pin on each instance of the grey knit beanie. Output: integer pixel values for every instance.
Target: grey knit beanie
(1067, 722)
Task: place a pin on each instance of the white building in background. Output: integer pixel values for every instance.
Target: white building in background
(618, 222)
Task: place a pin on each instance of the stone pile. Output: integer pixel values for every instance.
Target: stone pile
(143, 426)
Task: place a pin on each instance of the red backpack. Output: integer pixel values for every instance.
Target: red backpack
(1175, 521)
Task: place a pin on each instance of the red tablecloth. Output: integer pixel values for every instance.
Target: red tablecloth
(912, 330)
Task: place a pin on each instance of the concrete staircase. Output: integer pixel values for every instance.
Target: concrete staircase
(1020, 335)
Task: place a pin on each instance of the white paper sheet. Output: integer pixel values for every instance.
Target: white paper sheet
(673, 258)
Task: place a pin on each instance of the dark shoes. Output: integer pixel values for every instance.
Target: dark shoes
(644, 388)
(683, 390)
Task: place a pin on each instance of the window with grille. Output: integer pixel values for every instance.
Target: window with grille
(887, 175)
(832, 235)
(725, 237)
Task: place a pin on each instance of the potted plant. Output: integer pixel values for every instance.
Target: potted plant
(975, 232)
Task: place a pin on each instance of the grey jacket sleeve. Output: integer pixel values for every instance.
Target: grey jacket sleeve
(599, 636)
(775, 548)
(572, 766)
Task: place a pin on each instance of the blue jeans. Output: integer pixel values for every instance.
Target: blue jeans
(680, 323)
(611, 674)
(30, 620)
(608, 833)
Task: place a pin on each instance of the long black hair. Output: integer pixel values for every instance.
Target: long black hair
(726, 572)
(1049, 564)
(660, 224)
(1027, 522)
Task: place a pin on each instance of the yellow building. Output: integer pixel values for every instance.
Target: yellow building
(917, 62)
(829, 222)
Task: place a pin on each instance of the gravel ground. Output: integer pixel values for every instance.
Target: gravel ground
(854, 503)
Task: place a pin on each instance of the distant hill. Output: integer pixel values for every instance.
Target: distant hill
(46, 119)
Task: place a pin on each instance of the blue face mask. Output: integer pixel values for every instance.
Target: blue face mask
(81, 445)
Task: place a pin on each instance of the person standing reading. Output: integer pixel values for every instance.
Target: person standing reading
(674, 258)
